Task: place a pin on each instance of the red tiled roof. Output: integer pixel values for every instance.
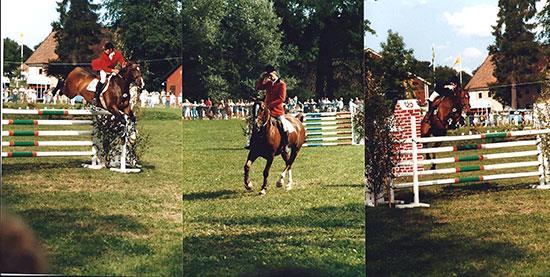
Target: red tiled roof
(483, 76)
(44, 52)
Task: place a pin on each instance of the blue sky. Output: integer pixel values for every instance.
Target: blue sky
(453, 27)
(33, 18)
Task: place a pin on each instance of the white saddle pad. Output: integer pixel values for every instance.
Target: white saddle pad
(93, 84)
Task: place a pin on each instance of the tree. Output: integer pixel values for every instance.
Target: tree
(544, 23)
(395, 67)
(226, 46)
(12, 57)
(328, 38)
(76, 31)
(515, 51)
(148, 32)
(380, 153)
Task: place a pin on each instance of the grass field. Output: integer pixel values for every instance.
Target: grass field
(318, 225)
(97, 222)
(489, 228)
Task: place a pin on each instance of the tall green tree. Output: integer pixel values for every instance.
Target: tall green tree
(148, 32)
(395, 67)
(515, 51)
(227, 44)
(12, 57)
(328, 37)
(77, 30)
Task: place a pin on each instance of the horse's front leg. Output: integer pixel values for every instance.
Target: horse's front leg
(266, 174)
(249, 161)
(281, 180)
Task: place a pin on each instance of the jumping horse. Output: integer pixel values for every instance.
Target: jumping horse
(116, 95)
(265, 142)
(450, 109)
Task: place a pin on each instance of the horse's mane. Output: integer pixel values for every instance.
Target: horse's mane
(124, 70)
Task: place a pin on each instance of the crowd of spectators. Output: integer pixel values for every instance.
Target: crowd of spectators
(31, 96)
(227, 109)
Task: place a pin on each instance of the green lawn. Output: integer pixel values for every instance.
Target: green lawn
(100, 222)
(319, 225)
(489, 228)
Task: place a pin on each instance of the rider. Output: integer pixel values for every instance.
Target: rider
(440, 91)
(274, 98)
(106, 63)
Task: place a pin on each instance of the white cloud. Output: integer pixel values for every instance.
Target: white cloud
(471, 53)
(473, 20)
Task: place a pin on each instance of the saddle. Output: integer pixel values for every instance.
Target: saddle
(93, 84)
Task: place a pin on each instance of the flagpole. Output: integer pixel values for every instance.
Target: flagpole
(460, 72)
(433, 63)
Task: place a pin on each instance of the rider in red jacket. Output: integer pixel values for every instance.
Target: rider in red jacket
(274, 99)
(106, 63)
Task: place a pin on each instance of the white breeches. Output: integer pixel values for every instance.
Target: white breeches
(102, 76)
(433, 96)
(286, 124)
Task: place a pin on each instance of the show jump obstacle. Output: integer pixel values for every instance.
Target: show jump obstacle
(329, 129)
(412, 162)
(83, 137)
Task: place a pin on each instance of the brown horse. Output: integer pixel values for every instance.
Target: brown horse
(450, 109)
(265, 142)
(116, 98)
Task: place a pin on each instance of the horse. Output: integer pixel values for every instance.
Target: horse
(116, 95)
(450, 108)
(265, 142)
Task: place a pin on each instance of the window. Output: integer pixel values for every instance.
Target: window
(40, 71)
(480, 95)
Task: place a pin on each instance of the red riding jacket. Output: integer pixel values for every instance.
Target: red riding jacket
(107, 64)
(275, 96)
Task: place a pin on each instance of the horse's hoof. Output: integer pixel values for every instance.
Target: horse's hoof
(279, 183)
(262, 192)
(289, 186)
(248, 187)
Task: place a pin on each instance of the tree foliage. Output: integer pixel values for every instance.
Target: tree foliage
(226, 46)
(148, 32)
(76, 31)
(515, 51)
(328, 36)
(394, 68)
(12, 56)
(316, 45)
(380, 155)
(544, 23)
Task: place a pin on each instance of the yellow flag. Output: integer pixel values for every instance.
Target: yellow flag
(457, 61)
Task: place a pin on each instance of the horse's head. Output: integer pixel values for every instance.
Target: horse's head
(464, 98)
(132, 73)
(263, 116)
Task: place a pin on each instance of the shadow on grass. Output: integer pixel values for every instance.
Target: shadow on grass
(210, 195)
(411, 243)
(9, 169)
(321, 239)
(459, 190)
(78, 237)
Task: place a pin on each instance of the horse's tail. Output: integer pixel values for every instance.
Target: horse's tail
(300, 117)
(59, 87)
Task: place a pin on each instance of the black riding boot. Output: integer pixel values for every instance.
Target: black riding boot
(98, 89)
(431, 107)
(284, 138)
